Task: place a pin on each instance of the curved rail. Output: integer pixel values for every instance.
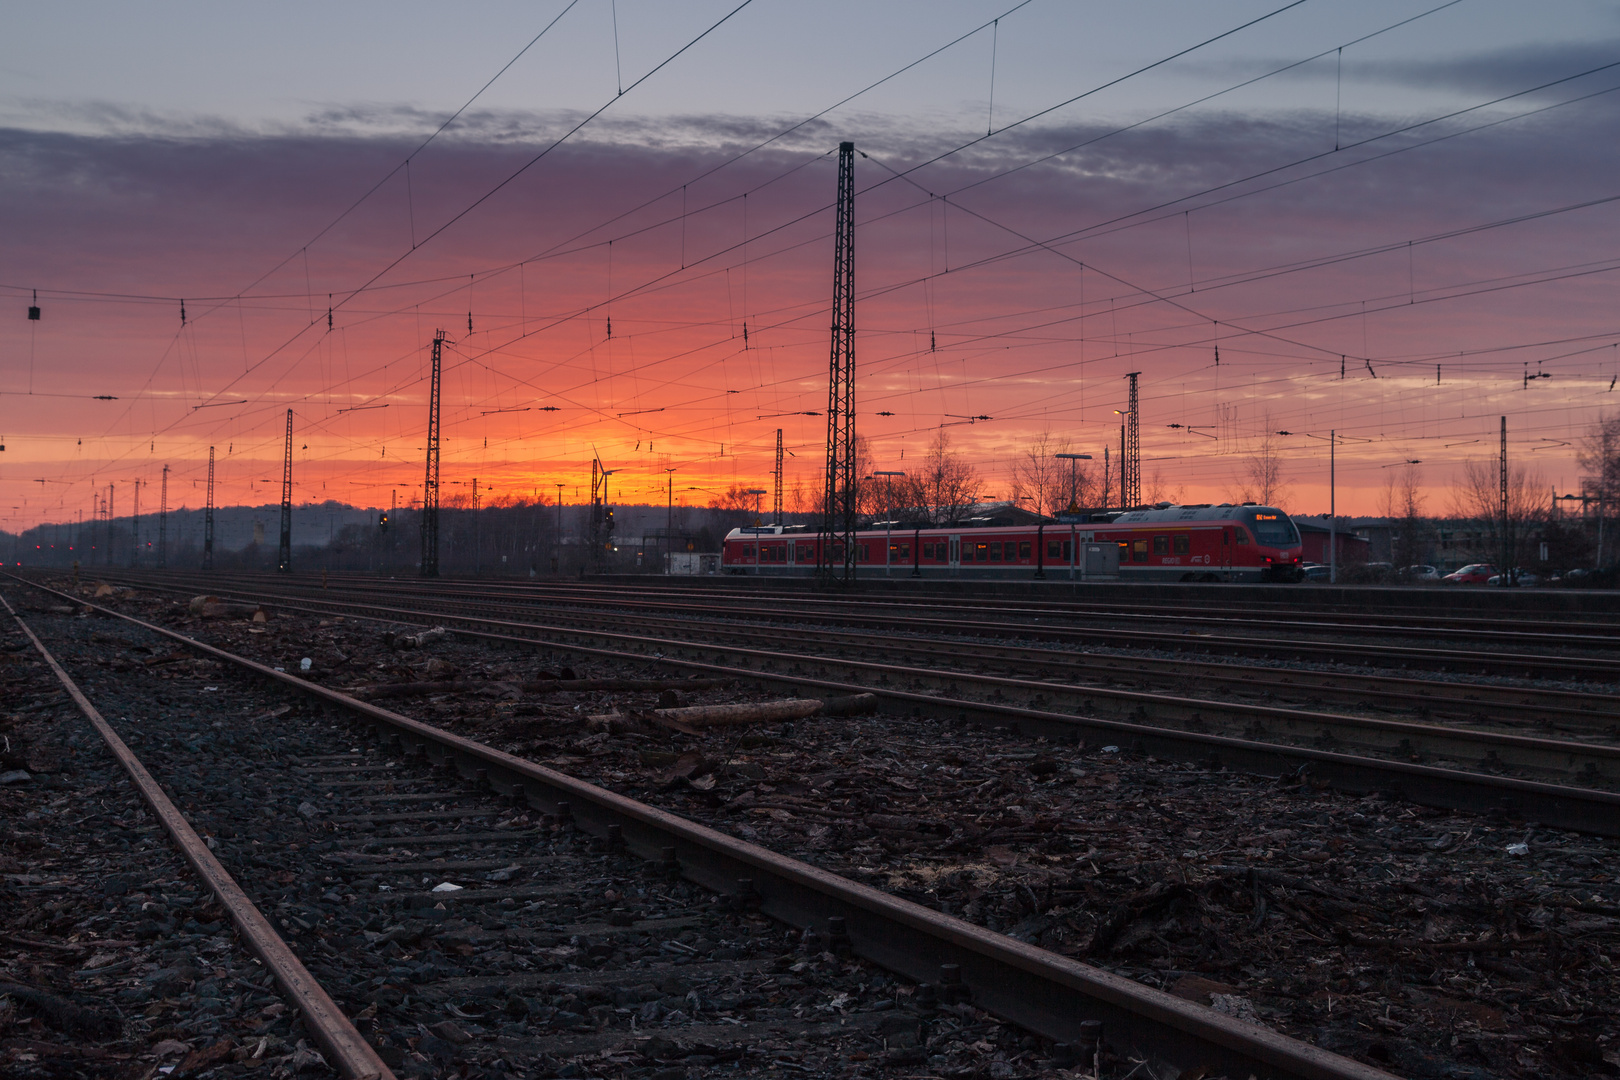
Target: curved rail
(817, 611)
(1039, 990)
(1562, 806)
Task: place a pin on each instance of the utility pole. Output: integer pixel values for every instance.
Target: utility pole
(778, 476)
(135, 529)
(430, 485)
(839, 502)
(669, 512)
(163, 521)
(556, 545)
(1505, 571)
(208, 517)
(111, 492)
(1131, 455)
(475, 527)
(284, 551)
(1333, 507)
(1107, 488)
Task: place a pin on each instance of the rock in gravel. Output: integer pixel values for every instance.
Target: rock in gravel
(306, 1059)
(15, 776)
(450, 1032)
(169, 1048)
(308, 809)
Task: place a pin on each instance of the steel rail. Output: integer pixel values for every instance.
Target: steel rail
(1558, 758)
(1396, 656)
(1580, 635)
(1557, 805)
(1041, 991)
(344, 1047)
(1533, 705)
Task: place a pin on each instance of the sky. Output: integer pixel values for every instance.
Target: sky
(1384, 216)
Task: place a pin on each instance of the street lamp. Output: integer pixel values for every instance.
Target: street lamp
(1332, 438)
(888, 514)
(1074, 504)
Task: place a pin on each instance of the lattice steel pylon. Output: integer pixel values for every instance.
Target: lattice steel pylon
(430, 485)
(778, 476)
(163, 520)
(284, 549)
(1130, 469)
(208, 517)
(837, 560)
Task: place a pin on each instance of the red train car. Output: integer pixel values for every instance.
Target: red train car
(1172, 543)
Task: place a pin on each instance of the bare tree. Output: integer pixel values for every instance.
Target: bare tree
(1403, 501)
(1262, 480)
(1502, 530)
(1599, 458)
(945, 484)
(800, 499)
(1042, 482)
(736, 497)
(1155, 491)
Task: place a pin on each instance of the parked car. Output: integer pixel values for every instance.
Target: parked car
(1420, 573)
(1315, 571)
(1519, 577)
(1472, 574)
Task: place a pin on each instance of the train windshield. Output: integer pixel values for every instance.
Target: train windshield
(1275, 530)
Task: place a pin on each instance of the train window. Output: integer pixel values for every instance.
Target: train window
(1024, 549)
(1139, 551)
(1183, 543)
(981, 553)
(1161, 545)
(995, 551)
(838, 553)
(748, 551)
(967, 552)
(1054, 549)
(807, 553)
(866, 553)
(904, 552)
(928, 551)
(1241, 533)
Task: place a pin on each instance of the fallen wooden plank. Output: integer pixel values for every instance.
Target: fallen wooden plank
(543, 686)
(748, 712)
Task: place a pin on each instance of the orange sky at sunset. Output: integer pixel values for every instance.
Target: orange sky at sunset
(1433, 262)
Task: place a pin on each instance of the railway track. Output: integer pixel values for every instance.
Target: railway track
(1044, 679)
(1203, 637)
(1547, 630)
(1574, 712)
(1259, 738)
(588, 911)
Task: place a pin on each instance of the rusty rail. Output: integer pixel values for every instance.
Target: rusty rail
(345, 1048)
(1036, 989)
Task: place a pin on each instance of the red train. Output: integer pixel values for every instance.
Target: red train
(1167, 543)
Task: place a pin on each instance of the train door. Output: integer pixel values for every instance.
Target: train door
(956, 556)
